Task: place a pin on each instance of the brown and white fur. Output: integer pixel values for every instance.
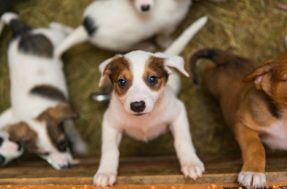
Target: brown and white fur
(124, 25)
(144, 106)
(39, 108)
(256, 111)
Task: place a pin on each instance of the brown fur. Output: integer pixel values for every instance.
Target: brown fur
(247, 107)
(155, 67)
(21, 132)
(55, 118)
(119, 69)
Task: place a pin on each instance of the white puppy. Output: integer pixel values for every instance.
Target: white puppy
(144, 106)
(39, 107)
(123, 25)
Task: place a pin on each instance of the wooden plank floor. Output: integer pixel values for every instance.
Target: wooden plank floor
(141, 173)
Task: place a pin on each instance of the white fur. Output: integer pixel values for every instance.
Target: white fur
(26, 72)
(121, 28)
(252, 179)
(275, 136)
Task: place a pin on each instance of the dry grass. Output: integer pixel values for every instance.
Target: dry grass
(252, 28)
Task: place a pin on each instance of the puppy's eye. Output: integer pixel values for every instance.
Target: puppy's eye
(122, 83)
(62, 146)
(152, 80)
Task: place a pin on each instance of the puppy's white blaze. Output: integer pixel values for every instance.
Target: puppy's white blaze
(55, 158)
(78, 36)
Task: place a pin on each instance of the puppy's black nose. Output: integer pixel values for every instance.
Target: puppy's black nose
(145, 8)
(2, 160)
(67, 166)
(138, 107)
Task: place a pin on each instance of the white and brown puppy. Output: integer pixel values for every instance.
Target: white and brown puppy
(144, 106)
(39, 106)
(123, 25)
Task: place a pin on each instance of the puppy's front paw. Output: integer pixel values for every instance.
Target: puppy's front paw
(193, 170)
(104, 179)
(252, 179)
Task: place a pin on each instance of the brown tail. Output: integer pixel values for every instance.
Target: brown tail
(219, 57)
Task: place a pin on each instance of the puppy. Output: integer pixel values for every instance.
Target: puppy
(123, 25)
(144, 105)
(39, 98)
(9, 150)
(256, 110)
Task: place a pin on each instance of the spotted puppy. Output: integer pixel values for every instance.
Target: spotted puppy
(39, 108)
(256, 111)
(144, 105)
(123, 25)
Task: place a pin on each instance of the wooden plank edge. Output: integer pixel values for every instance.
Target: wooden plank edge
(274, 177)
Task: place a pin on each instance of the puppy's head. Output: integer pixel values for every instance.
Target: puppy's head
(9, 150)
(45, 136)
(271, 78)
(139, 78)
(143, 6)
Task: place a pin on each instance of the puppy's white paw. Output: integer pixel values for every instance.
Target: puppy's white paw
(105, 179)
(252, 179)
(193, 170)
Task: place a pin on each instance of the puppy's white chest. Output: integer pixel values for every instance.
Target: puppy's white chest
(275, 136)
(145, 131)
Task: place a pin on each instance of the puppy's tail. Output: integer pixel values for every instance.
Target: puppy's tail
(17, 26)
(79, 35)
(180, 43)
(217, 56)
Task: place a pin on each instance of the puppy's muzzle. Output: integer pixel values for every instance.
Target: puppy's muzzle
(138, 107)
(145, 8)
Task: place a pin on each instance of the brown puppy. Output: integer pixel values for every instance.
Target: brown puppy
(256, 111)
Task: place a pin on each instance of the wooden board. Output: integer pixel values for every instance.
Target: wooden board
(138, 173)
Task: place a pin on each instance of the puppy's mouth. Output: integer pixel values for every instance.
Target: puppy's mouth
(139, 114)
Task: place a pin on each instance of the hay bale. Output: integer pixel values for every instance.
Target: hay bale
(253, 29)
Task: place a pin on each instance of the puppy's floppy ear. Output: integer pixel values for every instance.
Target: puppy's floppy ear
(59, 113)
(261, 76)
(105, 70)
(173, 62)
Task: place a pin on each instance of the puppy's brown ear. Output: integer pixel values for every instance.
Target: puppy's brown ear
(59, 113)
(173, 62)
(261, 77)
(20, 132)
(105, 69)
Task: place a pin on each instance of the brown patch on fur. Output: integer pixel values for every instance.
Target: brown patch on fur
(54, 119)
(119, 69)
(48, 91)
(247, 107)
(36, 44)
(21, 132)
(155, 67)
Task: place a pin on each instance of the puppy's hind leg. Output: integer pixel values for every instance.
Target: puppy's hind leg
(191, 165)
(79, 146)
(253, 154)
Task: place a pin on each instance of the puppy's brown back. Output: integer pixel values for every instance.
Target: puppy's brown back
(224, 79)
